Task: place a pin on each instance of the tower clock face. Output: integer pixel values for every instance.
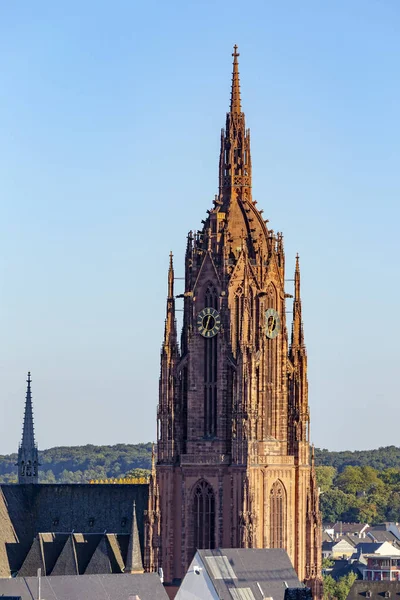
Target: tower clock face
(272, 323)
(208, 322)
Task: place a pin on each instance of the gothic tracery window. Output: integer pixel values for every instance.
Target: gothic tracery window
(203, 516)
(277, 516)
(210, 371)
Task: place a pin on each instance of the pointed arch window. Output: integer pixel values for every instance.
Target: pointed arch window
(210, 370)
(277, 508)
(203, 516)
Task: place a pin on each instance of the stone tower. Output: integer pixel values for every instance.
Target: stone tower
(28, 462)
(233, 462)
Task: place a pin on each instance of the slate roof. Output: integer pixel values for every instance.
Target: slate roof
(378, 535)
(343, 567)
(91, 587)
(343, 528)
(375, 590)
(367, 547)
(79, 553)
(233, 569)
(27, 510)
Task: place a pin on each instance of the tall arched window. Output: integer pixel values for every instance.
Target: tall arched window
(203, 516)
(210, 371)
(277, 516)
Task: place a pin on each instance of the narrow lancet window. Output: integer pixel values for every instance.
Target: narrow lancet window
(277, 516)
(204, 516)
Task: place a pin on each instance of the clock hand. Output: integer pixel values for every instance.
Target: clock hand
(208, 320)
(272, 325)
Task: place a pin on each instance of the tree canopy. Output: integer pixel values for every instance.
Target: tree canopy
(355, 486)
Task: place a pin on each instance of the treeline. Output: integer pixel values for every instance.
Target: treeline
(80, 464)
(356, 486)
(361, 486)
(380, 459)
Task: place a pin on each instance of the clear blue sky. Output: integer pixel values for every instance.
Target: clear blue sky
(110, 117)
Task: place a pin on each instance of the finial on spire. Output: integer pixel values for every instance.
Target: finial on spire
(171, 276)
(235, 93)
(297, 280)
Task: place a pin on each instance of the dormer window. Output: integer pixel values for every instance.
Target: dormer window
(55, 522)
(387, 594)
(91, 521)
(368, 594)
(123, 522)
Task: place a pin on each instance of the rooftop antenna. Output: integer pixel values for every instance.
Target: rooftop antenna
(39, 577)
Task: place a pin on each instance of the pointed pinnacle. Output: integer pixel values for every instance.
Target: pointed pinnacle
(235, 93)
(171, 276)
(297, 280)
(28, 435)
(134, 557)
(153, 459)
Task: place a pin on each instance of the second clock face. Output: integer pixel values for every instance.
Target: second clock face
(208, 322)
(272, 323)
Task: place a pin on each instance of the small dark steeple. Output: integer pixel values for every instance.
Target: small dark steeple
(134, 562)
(28, 462)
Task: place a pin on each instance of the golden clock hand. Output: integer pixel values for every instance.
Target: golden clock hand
(208, 320)
(272, 326)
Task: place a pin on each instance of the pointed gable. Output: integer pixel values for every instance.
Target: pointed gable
(51, 545)
(100, 561)
(67, 563)
(207, 272)
(33, 560)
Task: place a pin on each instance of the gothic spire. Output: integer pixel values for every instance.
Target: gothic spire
(297, 326)
(134, 562)
(27, 453)
(171, 276)
(235, 93)
(28, 434)
(170, 336)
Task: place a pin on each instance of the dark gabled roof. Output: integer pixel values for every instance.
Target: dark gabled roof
(378, 535)
(234, 568)
(91, 587)
(340, 527)
(67, 562)
(367, 547)
(376, 590)
(327, 546)
(33, 561)
(100, 561)
(85, 546)
(27, 510)
(343, 567)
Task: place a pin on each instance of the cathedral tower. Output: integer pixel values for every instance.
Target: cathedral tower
(28, 462)
(233, 456)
